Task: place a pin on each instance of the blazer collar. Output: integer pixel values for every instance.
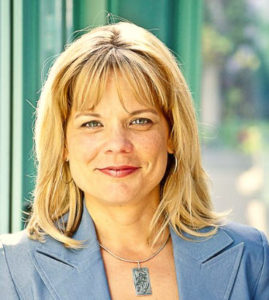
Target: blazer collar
(68, 273)
(206, 267)
(200, 248)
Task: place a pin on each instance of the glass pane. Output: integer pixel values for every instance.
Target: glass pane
(50, 32)
(51, 27)
(5, 104)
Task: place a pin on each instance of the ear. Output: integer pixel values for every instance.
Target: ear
(66, 154)
(170, 148)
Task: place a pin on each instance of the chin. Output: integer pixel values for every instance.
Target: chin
(120, 199)
(110, 196)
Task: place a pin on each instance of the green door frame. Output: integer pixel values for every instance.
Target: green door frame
(5, 114)
(188, 43)
(17, 152)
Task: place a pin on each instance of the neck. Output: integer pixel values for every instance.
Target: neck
(125, 229)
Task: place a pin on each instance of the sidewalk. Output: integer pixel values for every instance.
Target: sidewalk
(237, 184)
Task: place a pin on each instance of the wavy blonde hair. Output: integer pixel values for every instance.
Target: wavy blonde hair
(155, 78)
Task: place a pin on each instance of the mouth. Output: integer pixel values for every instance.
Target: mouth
(119, 171)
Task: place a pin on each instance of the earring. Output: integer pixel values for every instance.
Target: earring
(175, 167)
(62, 175)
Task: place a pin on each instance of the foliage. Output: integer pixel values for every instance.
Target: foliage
(248, 136)
(235, 39)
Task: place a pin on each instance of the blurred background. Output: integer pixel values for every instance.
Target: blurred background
(234, 107)
(222, 48)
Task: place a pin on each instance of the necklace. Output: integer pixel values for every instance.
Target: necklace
(140, 275)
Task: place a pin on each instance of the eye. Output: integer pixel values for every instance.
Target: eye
(141, 121)
(92, 124)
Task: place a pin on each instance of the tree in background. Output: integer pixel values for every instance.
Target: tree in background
(236, 64)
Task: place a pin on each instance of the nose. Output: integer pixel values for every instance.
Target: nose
(118, 141)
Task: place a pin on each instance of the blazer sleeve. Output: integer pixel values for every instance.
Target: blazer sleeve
(7, 287)
(262, 288)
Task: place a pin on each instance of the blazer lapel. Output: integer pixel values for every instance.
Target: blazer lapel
(69, 274)
(206, 268)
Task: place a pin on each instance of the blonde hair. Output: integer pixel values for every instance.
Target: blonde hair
(155, 78)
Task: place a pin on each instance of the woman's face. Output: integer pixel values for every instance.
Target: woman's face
(118, 156)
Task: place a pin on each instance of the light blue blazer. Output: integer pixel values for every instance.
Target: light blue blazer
(233, 264)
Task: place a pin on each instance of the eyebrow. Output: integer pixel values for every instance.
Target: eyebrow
(135, 112)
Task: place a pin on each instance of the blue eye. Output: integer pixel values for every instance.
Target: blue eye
(141, 121)
(91, 124)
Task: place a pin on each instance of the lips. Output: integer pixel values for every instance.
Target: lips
(119, 171)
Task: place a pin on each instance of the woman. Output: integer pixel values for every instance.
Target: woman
(121, 204)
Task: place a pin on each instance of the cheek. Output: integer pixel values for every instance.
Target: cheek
(154, 152)
(155, 143)
(82, 148)
(153, 149)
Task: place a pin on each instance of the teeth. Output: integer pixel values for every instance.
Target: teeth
(115, 172)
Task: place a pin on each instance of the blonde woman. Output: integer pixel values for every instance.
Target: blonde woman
(121, 206)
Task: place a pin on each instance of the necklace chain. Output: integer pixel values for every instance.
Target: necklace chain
(136, 261)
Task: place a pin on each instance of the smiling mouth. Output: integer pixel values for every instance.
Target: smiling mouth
(118, 173)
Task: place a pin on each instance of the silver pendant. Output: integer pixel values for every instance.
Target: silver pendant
(141, 281)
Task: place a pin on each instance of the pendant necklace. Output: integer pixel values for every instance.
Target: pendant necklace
(140, 275)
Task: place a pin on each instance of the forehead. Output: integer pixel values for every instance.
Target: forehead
(132, 89)
(119, 95)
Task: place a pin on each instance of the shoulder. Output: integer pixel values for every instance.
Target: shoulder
(255, 256)
(13, 239)
(15, 243)
(251, 236)
(18, 273)
(14, 249)
(12, 242)
(12, 253)
(253, 239)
